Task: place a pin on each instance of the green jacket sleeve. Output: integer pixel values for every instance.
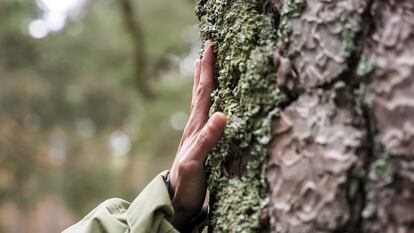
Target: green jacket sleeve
(150, 212)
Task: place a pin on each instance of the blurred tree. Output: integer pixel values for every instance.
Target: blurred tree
(65, 99)
(132, 25)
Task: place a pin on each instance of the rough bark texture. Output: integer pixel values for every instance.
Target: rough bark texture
(320, 100)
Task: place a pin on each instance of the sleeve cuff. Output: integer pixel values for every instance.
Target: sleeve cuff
(152, 209)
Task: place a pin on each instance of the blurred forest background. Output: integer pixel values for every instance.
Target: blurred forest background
(93, 98)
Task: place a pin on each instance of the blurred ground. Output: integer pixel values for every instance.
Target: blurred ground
(74, 127)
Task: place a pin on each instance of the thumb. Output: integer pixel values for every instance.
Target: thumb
(209, 135)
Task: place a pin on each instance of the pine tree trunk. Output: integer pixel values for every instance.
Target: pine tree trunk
(320, 100)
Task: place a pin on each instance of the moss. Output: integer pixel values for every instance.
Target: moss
(382, 168)
(369, 210)
(365, 67)
(382, 175)
(348, 34)
(348, 44)
(293, 8)
(353, 187)
(356, 179)
(246, 92)
(290, 9)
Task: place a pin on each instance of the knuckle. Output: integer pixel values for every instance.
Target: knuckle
(201, 90)
(188, 131)
(201, 139)
(204, 137)
(205, 63)
(187, 167)
(210, 129)
(191, 125)
(182, 168)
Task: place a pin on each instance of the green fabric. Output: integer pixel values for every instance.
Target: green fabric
(150, 212)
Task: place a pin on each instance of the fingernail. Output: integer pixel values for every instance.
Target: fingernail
(221, 115)
(209, 44)
(205, 48)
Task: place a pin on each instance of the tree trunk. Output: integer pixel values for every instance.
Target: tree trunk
(133, 27)
(320, 103)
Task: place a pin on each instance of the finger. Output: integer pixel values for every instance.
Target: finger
(196, 80)
(203, 100)
(209, 136)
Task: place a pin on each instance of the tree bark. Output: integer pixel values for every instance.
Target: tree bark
(320, 103)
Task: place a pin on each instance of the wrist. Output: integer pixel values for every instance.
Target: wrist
(179, 215)
(179, 212)
(186, 222)
(167, 181)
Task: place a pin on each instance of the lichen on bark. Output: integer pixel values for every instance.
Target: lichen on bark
(244, 39)
(390, 185)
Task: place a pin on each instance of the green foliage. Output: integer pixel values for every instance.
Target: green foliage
(84, 183)
(161, 32)
(83, 73)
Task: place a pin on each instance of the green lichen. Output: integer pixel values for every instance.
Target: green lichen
(382, 168)
(365, 67)
(348, 34)
(353, 187)
(369, 210)
(244, 41)
(382, 175)
(356, 179)
(290, 9)
(361, 95)
(293, 8)
(348, 44)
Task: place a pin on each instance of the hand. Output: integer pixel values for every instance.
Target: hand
(201, 134)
